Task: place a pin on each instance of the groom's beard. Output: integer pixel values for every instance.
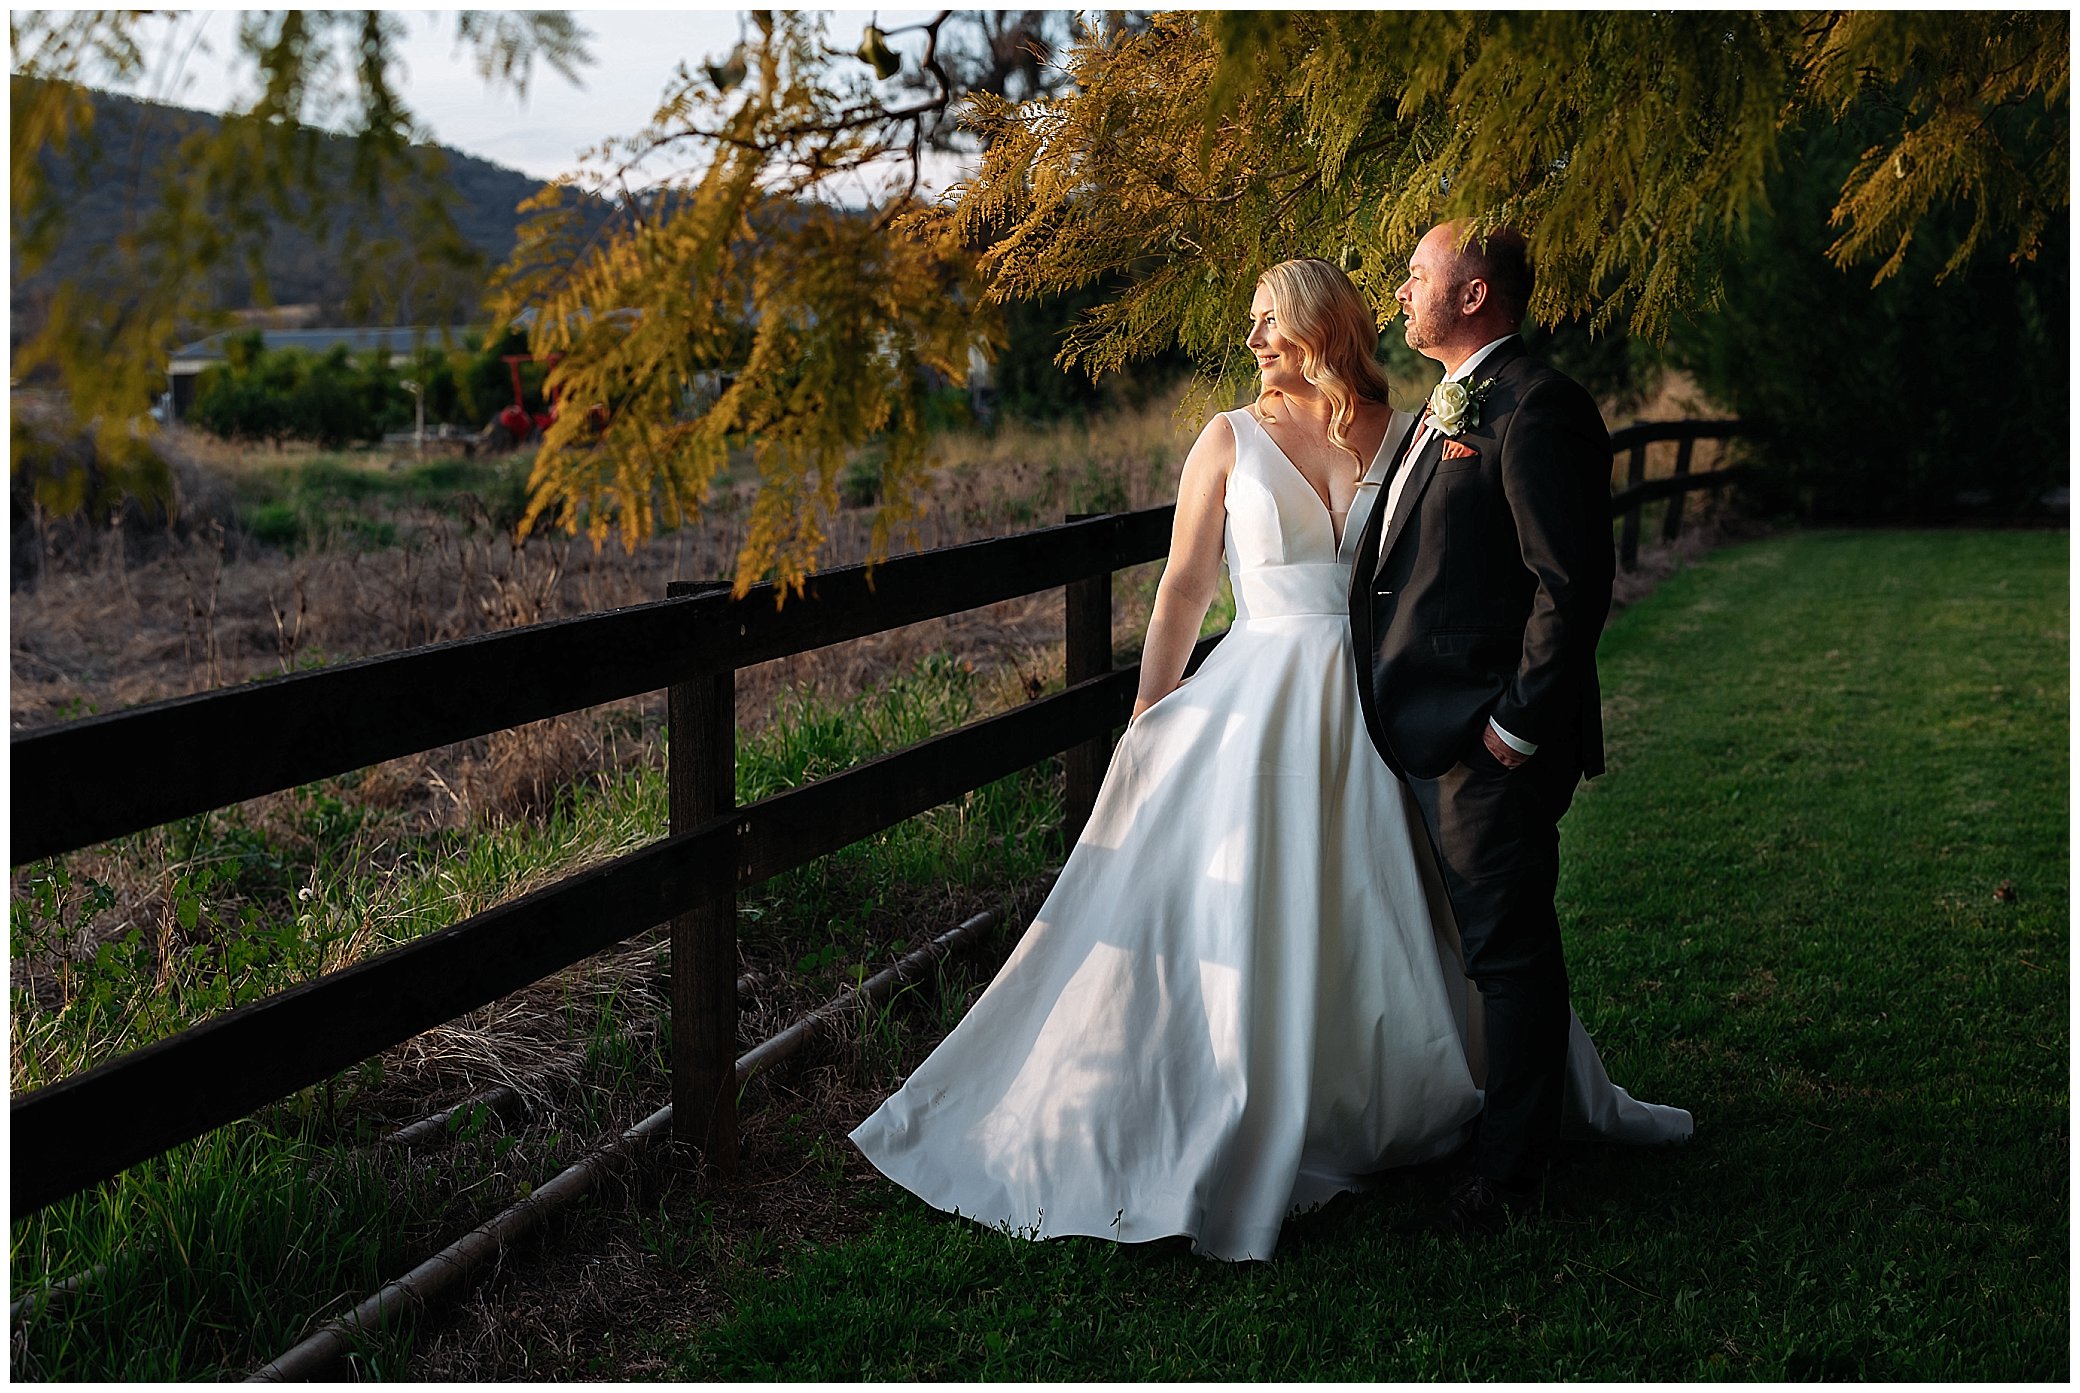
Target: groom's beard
(1421, 331)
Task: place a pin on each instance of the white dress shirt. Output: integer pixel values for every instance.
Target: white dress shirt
(1425, 431)
(1422, 437)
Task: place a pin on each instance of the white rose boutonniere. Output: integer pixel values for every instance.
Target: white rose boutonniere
(1455, 405)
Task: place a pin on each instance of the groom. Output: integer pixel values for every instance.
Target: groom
(1481, 587)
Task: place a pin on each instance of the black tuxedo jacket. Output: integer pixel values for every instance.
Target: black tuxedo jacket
(1494, 580)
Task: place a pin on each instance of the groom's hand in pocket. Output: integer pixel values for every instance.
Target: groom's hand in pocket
(1504, 755)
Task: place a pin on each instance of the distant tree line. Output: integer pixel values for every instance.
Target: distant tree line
(338, 398)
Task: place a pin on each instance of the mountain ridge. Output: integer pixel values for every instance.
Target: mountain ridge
(112, 183)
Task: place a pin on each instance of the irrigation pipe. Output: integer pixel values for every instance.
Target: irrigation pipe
(453, 1266)
(31, 1305)
(506, 1101)
(500, 1100)
(868, 993)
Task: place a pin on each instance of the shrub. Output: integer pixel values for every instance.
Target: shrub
(335, 398)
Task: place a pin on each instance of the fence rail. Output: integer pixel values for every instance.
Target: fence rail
(107, 776)
(89, 1127)
(1639, 490)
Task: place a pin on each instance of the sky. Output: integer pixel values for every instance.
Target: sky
(542, 134)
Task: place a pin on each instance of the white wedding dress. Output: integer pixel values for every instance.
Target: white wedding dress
(1244, 993)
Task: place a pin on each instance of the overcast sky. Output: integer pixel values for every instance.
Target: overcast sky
(633, 52)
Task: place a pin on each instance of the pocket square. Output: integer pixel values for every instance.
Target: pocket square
(1454, 450)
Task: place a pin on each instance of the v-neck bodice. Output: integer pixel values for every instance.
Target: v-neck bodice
(1284, 555)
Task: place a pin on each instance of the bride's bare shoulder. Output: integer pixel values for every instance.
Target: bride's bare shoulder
(1214, 451)
(1203, 479)
(1377, 418)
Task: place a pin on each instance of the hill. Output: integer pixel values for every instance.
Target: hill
(116, 181)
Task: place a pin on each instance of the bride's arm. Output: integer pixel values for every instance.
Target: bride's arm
(1193, 572)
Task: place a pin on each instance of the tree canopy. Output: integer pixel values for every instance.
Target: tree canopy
(1632, 146)
(774, 281)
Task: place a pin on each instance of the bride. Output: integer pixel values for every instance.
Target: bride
(1244, 994)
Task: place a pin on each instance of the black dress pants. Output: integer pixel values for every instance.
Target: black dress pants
(1496, 832)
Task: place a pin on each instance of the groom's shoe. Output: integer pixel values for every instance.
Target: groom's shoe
(1479, 1207)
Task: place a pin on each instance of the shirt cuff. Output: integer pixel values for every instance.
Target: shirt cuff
(1522, 747)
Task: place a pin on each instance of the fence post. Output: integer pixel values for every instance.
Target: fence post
(1672, 520)
(701, 776)
(1635, 475)
(1088, 641)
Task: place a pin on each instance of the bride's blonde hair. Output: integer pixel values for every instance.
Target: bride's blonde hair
(1320, 310)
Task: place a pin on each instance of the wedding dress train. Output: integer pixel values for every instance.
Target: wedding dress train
(1244, 993)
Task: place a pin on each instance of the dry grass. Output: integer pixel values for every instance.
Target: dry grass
(524, 1041)
(151, 611)
(1129, 460)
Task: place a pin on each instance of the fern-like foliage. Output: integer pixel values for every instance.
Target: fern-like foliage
(745, 305)
(1631, 145)
(773, 292)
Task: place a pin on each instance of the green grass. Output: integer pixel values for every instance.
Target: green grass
(211, 1259)
(215, 1256)
(330, 499)
(1821, 900)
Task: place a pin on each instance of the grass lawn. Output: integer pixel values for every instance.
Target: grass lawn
(1821, 900)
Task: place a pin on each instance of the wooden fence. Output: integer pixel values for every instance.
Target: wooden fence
(107, 776)
(1639, 491)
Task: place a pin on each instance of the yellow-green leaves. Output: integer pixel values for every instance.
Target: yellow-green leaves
(737, 318)
(1632, 146)
(1980, 103)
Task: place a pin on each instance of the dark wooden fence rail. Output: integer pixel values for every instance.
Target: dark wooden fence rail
(1632, 442)
(87, 781)
(107, 776)
(88, 1127)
